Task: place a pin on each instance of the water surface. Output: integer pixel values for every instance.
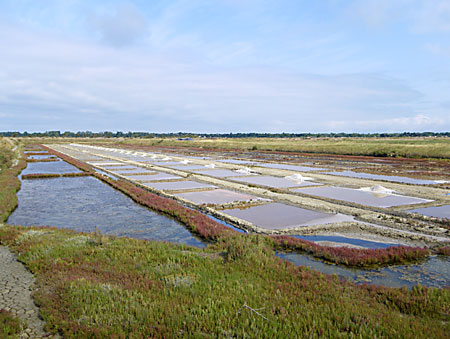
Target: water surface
(267, 180)
(85, 202)
(58, 167)
(361, 197)
(432, 272)
(392, 178)
(438, 211)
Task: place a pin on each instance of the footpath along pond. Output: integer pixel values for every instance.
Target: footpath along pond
(81, 203)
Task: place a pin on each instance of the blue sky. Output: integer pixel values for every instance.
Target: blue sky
(225, 65)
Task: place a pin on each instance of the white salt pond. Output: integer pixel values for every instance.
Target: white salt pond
(437, 211)
(393, 178)
(361, 197)
(291, 167)
(267, 180)
(220, 173)
(178, 185)
(217, 196)
(281, 216)
(153, 177)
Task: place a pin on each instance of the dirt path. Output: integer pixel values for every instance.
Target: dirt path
(16, 285)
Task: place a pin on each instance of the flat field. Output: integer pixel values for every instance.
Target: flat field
(419, 147)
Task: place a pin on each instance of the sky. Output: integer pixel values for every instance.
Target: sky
(223, 66)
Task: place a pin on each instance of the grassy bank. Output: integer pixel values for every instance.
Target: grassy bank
(93, 286)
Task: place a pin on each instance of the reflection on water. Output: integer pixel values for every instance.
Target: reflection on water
(85, 202)
(345, 240)
(267, 180)
(279, 216)
(433, 272)
(58, 167)
(392, 178)
(438, 211)
(217, 196)
(361, 197)
(178, 185)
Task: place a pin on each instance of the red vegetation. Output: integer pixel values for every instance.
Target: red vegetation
(445, 250)
(53, 175)
(352, 256)
(43, 160)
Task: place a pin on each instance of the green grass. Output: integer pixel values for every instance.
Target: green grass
(10, 327)
(94, 286)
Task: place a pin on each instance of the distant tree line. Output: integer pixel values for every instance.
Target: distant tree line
(106, 134)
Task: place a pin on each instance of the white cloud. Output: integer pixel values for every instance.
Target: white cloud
(120, 28)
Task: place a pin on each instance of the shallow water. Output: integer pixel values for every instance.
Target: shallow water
(432, 272)
(152, 177)
(219, 173)
(83, 203)
(291, 167)
(267, 180)
(58, 167)
(217, 196)
(392, 178)
(345, 240)
(178, 185)
(44, 156)
(280, 216)
(438, 212)
(361, 197)
(187, 167)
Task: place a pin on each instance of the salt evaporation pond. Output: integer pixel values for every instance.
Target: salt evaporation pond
(178, 185)
(152, 177)
(187, 167)
(345, 240)
(53, 167)
(217, 196)
(267, 180)
(392, 178)
(432, 272)
(281, 216)
(291, 167)
(437, 212)
(85, 202)
(219, 173)
(361, 197)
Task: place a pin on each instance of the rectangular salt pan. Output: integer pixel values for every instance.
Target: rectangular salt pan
(154, 177)
(361, 197)
(219, 173)
(178, 185)
(187, 167)
(267, 180)
(434, 211)
(217, 196)
(392, 178)
(280, 216)
(291, 167)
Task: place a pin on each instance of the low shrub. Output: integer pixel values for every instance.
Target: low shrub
(352, 256)
(10, 327)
